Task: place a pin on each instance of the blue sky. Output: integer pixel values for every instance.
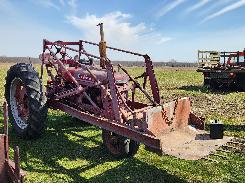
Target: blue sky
(164, 29)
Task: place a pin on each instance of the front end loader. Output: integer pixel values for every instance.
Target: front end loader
(99, 95)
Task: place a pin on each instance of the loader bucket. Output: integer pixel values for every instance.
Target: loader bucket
(180, 132)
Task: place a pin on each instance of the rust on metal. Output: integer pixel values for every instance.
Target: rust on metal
(99, 95)
(120, 129)
(10, 171)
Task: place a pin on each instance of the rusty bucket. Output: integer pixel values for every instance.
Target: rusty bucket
(180, 132)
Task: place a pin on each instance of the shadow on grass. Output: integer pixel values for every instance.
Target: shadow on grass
(230, 127)
(234, 128)
(80, 147)
(133, 170)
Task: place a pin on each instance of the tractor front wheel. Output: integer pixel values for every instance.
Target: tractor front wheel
(119, 146)
(26, 101)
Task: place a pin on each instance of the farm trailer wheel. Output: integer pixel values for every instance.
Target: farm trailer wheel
(27, 103)
(119, 146)
(241, 81)
(206, 82)
(214, 84)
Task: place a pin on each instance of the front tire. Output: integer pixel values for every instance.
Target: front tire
(26, 101)
(119, 146)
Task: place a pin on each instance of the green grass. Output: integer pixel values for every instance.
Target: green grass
(71, 151)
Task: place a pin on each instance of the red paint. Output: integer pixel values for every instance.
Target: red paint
(232, 74)
(100, 96)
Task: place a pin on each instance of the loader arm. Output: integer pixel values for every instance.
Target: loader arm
(170, 128)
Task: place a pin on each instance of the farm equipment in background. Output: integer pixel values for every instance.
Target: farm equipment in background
(101, 96)
(10, 171)
(222, 69)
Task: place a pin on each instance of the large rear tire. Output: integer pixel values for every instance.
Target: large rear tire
(241, 81)
(214, 84)
(206, 82)
(26, 101)
(119, 146)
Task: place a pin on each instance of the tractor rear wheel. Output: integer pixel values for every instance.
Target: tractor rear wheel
(214, 84)
(119, 146)
(26, 101)
(206, 82)
(241, 81)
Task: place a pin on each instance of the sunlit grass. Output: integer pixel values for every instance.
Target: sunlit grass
(71, 151)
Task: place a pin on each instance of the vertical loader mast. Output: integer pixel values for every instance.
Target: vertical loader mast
(102, 46)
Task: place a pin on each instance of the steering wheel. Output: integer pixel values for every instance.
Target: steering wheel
(58, 48)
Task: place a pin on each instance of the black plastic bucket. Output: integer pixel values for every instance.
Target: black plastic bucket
(216, 129)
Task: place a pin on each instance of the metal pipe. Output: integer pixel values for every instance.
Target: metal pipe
(90, 100)
(5, 120)
(17, 161)
(137, 85)
(113, 126)
(116, 49)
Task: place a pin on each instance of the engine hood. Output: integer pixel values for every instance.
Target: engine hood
(81, 74)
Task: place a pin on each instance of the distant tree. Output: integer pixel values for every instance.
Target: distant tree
(173, 60)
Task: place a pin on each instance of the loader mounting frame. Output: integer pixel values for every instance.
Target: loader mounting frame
(119, 125)
(72, 89)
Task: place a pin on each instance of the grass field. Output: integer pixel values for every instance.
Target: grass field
(71, 151)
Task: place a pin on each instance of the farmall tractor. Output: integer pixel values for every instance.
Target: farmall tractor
(99, 95)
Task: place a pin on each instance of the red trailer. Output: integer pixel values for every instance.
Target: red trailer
(222, 69)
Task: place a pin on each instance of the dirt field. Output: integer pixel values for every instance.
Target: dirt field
(71, 151)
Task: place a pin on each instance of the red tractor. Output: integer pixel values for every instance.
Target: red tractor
(101, 96)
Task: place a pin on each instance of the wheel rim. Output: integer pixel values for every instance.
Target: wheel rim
(19, 103)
